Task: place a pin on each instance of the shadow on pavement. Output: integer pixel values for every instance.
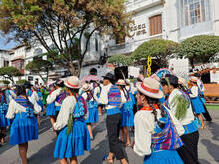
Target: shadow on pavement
(212, 148)
(203, 161)
(44, 155)
(44, 126)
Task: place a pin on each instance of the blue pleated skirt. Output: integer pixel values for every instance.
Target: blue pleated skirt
(4, 122)
(23, 129)
(40, 103)
(75, 143)
(50, 110)
(127, 115)
(198, 105)
(163, 157)
(93, 115)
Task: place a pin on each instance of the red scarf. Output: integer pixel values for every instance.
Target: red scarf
(149, 108)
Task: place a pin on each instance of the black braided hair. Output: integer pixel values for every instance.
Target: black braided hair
(151, 102)
(21, 90)
(126, 93)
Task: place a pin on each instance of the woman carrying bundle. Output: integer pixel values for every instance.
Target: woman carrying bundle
(4, 122)
(127, 114)
(196, 100)
(24, 128)
(54, 101)
(74, 137)
(92, 107)
(156, 137)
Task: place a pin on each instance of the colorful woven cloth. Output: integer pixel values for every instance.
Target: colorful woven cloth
(114, 96)
(168, 138)
(60, 98)
(24, 102)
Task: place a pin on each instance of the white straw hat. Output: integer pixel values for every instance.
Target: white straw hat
(151, 88)
(182, 81)
(72, 82)
(193, 79)
(86, 87)
(121, 82)
(128, 82)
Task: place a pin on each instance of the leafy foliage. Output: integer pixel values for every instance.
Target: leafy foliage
(120, 59)
(199, 48)
(38, 66)
(160, 49)
(67, 23)
(9, 72)
(181, 105)
(6, 82)
(20, 82)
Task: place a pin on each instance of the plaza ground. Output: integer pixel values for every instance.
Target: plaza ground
(41, 150)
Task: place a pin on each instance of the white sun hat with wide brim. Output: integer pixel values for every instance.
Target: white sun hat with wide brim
(193, 79)
(72, 82)
(86, 87)
(151, 88)
(121, 82)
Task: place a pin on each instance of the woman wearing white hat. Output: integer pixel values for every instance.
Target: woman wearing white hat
(127, 114)
(74, 137)
(196, 100)
(92, 106)
(54, 101)
(156, 137)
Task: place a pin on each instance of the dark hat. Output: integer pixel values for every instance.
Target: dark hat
(109, 76)
(27, 84)
(59, 83)
(173, 80)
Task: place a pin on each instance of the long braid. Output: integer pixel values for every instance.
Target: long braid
(151, 103)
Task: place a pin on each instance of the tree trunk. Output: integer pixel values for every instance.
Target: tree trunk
(72, 70)
(42, 78)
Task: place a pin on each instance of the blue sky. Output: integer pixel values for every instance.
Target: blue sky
(8, 46)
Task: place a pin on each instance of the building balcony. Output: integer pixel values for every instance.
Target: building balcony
(139, 5)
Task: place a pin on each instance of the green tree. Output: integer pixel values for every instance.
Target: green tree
(69, 24)
(21, 81)
(121, 60)
(6, 82)
(158, 49)
(200, 48)
(9, 73)
(38, 67)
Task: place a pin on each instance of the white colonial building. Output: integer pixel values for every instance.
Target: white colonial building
(174, 20)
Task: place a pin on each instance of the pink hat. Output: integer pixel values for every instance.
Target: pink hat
(151, 88)
(72, 82)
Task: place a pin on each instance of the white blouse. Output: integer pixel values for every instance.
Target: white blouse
(144, 128)
(84, 95)
(67, 108)
(123, 98)
(96, 92)
(189, 117)
(52, 97)
(14, 108)
(194, 92)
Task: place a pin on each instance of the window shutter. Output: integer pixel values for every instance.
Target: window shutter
(155, 24)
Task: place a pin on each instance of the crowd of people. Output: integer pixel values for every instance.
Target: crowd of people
(164, 114)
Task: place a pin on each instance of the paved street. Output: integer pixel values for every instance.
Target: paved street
(41, 151)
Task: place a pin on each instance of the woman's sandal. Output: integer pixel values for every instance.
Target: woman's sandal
(108, 160)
